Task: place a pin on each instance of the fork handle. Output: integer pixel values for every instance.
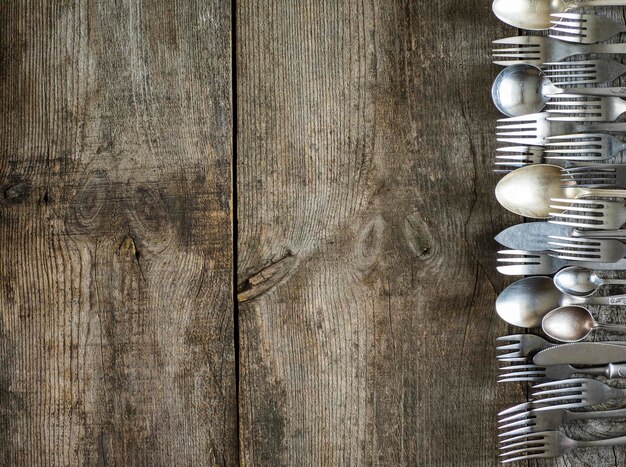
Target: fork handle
(594, 3)
(610, 234)
(604, 48)
(596, 414)
(614, 91)
(600, 442)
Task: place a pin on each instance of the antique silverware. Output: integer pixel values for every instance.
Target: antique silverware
(547, 444)
(530, 236)
(533, 263)
(579, 108)
(582, 353)
(527, 191)
(587, 249)
(536, 50)
(583, 71)
(523, 418)
(583, 28)
(583, 147)
(531, 373)
(584, 213)
(523, 89)
(596, 176)
(574, 323)
(574, 393)
(581, 282)
(536, 14)
(520, 346)
(514, 157)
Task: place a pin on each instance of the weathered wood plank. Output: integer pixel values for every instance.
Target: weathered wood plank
(366, 143)
(116, 325)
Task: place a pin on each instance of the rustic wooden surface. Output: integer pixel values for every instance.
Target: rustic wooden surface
(116, 309)
(365, 151)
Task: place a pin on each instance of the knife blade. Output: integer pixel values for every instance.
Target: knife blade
(531, 236)
(582, 353)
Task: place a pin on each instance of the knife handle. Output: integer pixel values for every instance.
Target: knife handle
(614, 371)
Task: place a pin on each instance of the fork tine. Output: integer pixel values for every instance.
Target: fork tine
(511, 40)
(518, 260)
(523, 458)
(577, 209)
(511, 441)
(574, 224)
(517, 431)
(516, 408)
(510, 337)
(521, 379)
(509, 347)
(567, 15)
(570, 397)
(517, 423)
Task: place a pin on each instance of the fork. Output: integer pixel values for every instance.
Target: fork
(521, 346)
(578, 108)
(591, 214)
(536, 50)
(535, 129)
(584, 29)
(588, 249)
(525, 419)
(533, 263)
(540, 374)
(583, 147)
(514, 157)
(596, 176)
(547, 444)
(583, 71)
(574, 393)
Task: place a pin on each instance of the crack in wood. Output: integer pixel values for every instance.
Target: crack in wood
(266, 279)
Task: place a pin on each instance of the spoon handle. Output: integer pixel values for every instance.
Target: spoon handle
(613, 281)
(610, 327)
(614, 91)
(610, 300)
(599, 192)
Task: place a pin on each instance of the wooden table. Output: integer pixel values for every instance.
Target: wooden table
(336, 155)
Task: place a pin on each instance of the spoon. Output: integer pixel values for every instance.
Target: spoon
(573, 324)
(535, 14)
(525, 302)
(527, 191)
(523, 89)
(581, 282)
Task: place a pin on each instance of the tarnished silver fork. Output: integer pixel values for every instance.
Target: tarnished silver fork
(588, 214)
(547, 445)
(583, 28)
(583, 147)
(596, 176)
(514, 157)
(587, 249)
(536, 50)
(522, 418)
(535, 129)
(573, 393)
(533, 263)
(583, 71)
(539, 374)
(520, 346)
(577, 108)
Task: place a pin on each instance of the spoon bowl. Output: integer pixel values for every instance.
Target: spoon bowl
(521, 90)
(525, 302)
(577, 281)
(568, 323)
(527, 191)
(528, 14)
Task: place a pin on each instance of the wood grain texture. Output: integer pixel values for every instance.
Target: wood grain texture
(116, 324)
(366, 141)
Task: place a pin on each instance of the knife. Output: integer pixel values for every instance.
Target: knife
(582, 353)
(533, 236)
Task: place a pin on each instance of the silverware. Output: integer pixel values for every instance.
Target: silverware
(584, 29)
(582, 353)
(537, 263)
(581, 282)
(584, 213)
(547, 444)
(530, 236)
(525, 302)
(574, 393)
(578, 108)
(596, 176)
(575, 323)
(583, 147)
(527, 191)
(537, 129)
(583, 71)
(539, 374)
(520, 346)
(514, 157)
(523, 418)
(587, 249)
(535, 50)
(536, 14)
(523, 89)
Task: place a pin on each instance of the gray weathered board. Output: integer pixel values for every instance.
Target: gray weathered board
(365, 329)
